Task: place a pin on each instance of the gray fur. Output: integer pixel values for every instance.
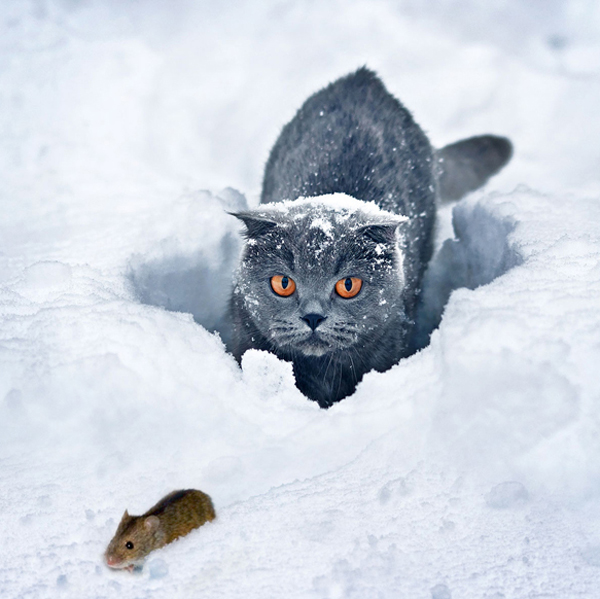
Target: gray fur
(352, 137)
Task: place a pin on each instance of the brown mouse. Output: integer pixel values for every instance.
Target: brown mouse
(172, 517)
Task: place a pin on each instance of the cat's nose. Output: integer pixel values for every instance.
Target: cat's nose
(313, 320)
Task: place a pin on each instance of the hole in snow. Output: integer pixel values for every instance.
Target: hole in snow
(192, 270)
(198, 279)
(194, 283)
(479, 253)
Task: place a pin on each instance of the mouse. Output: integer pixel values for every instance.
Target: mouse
(174, 516)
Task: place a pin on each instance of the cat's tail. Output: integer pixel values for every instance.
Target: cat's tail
(466, 165)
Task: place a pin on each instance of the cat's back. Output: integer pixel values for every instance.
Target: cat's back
(354, 137)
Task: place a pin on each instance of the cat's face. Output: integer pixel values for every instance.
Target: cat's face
(317, 278)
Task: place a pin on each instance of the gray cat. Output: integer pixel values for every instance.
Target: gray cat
(331, 283)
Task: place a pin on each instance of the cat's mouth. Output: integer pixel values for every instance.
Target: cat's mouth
(314, 345)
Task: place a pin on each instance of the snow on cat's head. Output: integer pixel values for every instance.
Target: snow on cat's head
(319, 275)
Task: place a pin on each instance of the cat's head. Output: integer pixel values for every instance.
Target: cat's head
(320, 275)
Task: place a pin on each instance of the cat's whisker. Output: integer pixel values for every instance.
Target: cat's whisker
(329, 362)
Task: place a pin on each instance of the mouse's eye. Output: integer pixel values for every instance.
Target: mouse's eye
(129, 545)
(283, 285)
(348, 287)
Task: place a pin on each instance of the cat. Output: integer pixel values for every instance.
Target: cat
(331, 270)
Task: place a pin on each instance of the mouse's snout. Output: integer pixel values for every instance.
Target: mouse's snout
(111, 561)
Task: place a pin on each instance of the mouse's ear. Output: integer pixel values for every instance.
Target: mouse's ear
(151, 523)
(125, 518)
(124, 521)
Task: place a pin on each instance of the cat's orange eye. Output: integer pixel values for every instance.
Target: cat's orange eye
(348, 287)
(283, 285)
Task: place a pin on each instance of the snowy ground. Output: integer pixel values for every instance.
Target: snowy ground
(471, 469)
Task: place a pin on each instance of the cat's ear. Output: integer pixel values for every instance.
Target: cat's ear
(256, 225)
(381, 232)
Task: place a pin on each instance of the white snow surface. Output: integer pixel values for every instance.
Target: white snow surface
(471, 469)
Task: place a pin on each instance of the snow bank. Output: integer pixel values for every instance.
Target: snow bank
(470, 469)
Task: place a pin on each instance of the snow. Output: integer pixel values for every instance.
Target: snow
(341, 204)
(328, 210)
(471, 469)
